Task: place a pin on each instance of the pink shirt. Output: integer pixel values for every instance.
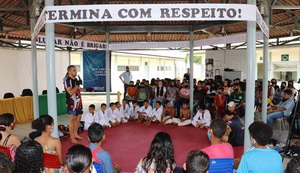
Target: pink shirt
(223, 150)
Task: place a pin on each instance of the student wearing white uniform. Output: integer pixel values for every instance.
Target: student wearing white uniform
(202, 118)
(126, 77)
(90, 117)
(133, 111)
(156, 115)
(103, 119)
(124, 110)
(144, 111)
(112, 115)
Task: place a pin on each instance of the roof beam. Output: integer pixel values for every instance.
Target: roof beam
(285, 7)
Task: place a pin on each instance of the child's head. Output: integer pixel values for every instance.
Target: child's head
(168, 103)
(131, 83)
(196, 162)
(44, 123)
(228, 115)
(79, 159)
(112, 106)
(124, 102)
(158, 104)
(146, 103)
(92, 108)
(185, 105)
(202, 108)
(6, 165)
(103, 107)
(134, 103)
(118, 104)
(96, 133)
(260, 133)
(220, 90)
(217, 128)
(161, 149)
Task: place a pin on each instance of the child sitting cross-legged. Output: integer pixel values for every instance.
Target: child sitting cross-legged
(156, 115)
(133, 111)
(100, 156)
(103, 118)
(202, 118)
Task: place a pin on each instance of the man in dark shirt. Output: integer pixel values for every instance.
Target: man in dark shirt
(236, 136)
(186, 76)
(73, 102)
(199, 96)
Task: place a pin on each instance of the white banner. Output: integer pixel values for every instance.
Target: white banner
(80, 44)
(261, 23)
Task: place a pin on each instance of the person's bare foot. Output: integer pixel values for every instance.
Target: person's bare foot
(74, 141)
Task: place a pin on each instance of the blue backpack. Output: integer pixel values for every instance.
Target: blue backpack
(98, 165)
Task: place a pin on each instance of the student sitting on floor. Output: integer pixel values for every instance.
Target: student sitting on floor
(185, 115)
(119, 114)
(218, 148)
(96, 137)
(112, 115)
(196, 162)
(133, 111)
(90, 117)
(144, 111)
(202, 118)
(236, 136)
(124, 110)
(102, 113)
(156, 115)
(168, 113)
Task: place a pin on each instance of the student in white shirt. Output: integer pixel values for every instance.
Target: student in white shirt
(133, 111)
(156, 115)
(202, 118)
(144, 111)
(90, 117)
(112, 115)
(124, 110)
(120, 115)
(102, 113)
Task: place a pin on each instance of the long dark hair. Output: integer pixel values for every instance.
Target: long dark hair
(161, 153)
(41, 123)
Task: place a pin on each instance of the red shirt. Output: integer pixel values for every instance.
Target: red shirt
(219, 151)
(220, 101)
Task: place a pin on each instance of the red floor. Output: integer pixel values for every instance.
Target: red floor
(128, 143)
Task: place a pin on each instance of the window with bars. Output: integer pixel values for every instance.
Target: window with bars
(132, 68)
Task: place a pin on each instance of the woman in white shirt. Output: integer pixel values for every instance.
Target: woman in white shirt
(202, 118)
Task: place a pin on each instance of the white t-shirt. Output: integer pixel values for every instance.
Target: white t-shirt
(127, 77)
(157, 113)
(89, 119)
(148, 111)
(202, 120)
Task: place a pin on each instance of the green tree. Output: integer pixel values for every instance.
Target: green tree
(197, 59)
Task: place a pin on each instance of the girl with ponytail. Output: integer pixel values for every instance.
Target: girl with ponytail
(8, 142)
(51, 146)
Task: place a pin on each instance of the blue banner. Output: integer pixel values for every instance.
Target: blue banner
(94, 70)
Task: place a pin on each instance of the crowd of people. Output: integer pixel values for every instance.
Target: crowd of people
(218, 107)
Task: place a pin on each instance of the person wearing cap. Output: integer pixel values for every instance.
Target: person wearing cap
(236, 136)
(283, 109)
(231, 107)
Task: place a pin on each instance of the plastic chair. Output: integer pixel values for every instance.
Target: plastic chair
(27, 92)
(221, 165)
(8, 95)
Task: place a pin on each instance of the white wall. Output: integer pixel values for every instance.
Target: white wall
(15, 70)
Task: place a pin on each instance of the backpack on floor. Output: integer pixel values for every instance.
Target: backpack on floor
(98, 165)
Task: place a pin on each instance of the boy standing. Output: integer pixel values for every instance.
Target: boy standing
(90, 117)
(96, 137)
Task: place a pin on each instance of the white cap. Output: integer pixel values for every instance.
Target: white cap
(231, 104)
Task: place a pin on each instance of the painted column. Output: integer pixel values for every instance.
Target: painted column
(108, 70)
(191, 59)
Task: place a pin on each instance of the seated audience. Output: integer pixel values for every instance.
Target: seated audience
(100, 156)
(103, 118)
(159, 93)
(236, 136)
(202, 118)
(51, 146)
(218, 148)
(112, 114)
(90, 117)
(220, 102)
(6, 165)
(120, 116)
(131, 92)
(293, 166)
(160, 157)
(196, 162)
(133, 111)
(260, 159)
(79, 159)
(156, 115)
(199, 95)
(142, 94)
(29, 157)
(238, 97)
(184, 116)
(8, 141)
(172, 92)
(283, 109)
(144, 111)
(231, 107)
(124, 111)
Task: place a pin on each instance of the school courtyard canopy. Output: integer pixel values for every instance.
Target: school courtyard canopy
(154, 21)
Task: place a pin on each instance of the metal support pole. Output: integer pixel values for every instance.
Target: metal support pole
(265, 77)
(34, 63)
(250, 85)
(107, 70)
(191, 70)
(51, 81)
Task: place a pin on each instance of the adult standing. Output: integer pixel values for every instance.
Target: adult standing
(186, 76)
(73, 102)
(126, 77)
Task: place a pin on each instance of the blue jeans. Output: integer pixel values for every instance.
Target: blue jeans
(273, 116)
